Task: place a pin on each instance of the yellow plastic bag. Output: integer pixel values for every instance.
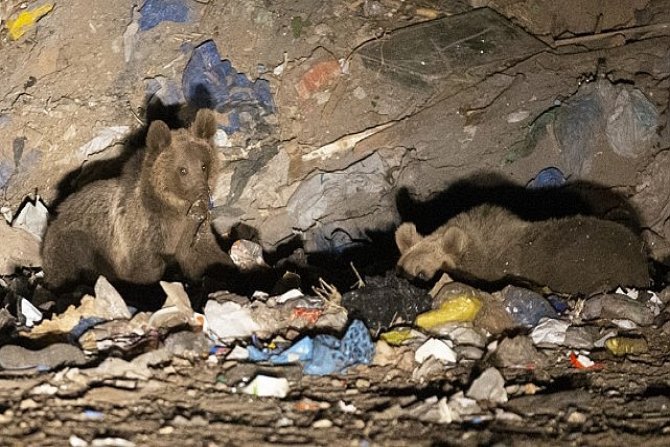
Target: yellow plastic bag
(17, 27)
(621, 346)
(459, 308)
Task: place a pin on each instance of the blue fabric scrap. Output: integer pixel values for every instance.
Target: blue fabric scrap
(81, 327)
(547, 178)
(209, 82)
(154, 12)
(323, 354)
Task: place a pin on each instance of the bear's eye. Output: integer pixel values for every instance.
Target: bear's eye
(204, 168)
(422, 276)
(183, 171)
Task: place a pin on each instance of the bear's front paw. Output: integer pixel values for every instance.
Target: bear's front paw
(198, 211)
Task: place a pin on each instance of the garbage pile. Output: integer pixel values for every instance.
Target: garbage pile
(384, 322)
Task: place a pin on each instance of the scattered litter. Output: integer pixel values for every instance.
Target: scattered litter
(154, 12)
(550, 177)
(176, 310)
(33, 217)
(581, 361)
(399, 337)
(26, 19)
(76, 441)
(94, 415)
(347, 408)
(550, 333)
(104, 139)
(463, 406)
(247, 255)
(459, 308)
(209, 82)
(266, 386)
(238, 353)
(112, 442)
(301, 351)
(621, 346)
(526, 307)
(324, 354)
(462, 334)
(30, 313)
(130, 38)
(490, 385)
(623, 113)
(229, 320)
(631, 126)
(479, 39)
(107, 305)
(441, 350)
(580, 337)
(288, 295)
(110, 300)
(95, 334)
(385, 301)
(322, 72)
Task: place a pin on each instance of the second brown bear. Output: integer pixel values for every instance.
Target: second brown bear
(578, 254)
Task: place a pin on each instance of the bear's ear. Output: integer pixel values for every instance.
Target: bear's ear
(454, 240)
(204, 125)
(158, 137)
(406, 237)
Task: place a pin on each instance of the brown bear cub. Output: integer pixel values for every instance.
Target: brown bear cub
(154, 215)
(577, 254)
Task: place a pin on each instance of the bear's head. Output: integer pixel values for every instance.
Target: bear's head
(423, 256)
(180, 163)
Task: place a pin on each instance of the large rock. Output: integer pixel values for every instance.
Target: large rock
(19, 249)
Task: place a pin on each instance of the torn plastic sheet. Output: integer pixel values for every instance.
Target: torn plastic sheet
(324, 354)
(209, 82)
(33, 218)
(229, 320)
(154, 12)
(104, 139)
(345, 199)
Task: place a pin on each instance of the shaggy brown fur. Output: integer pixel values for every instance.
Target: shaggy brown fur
(577, 254)
(155, 214)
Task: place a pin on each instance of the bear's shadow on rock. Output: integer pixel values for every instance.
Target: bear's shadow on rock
(531, 204)
(175, 116)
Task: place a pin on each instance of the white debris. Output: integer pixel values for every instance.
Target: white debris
(76, 441)
(33, 218)
(238, 353)
(30, 313)
(112, 442)
(229, 320)
(110, 300)
(105, 138)
(549, 332)
(490, 385)
(266, 386)
(438, 349)
(625, 324)
(221, 139)
(289, 295)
